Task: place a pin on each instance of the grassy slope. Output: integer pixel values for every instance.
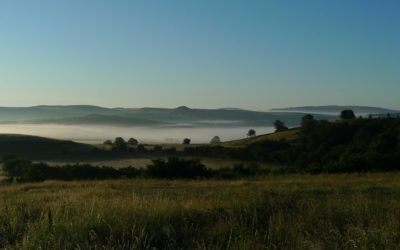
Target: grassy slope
(287, 135)
(34, 147)
(278, 212)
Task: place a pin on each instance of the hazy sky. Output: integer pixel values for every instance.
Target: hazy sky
(256, 54)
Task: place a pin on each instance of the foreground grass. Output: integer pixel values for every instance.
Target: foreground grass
(290, 212)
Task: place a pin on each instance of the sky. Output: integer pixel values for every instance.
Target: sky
(257, 54)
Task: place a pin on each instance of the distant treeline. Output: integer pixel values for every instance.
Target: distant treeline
(349, 145)
(173, 168)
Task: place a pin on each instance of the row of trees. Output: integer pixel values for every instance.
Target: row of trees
(17, 170)
(119, 143)
(278, 124)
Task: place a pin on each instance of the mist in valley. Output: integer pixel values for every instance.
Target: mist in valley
(95, 134)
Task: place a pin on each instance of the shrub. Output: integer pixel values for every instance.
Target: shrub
(176, 168)
(26, 171)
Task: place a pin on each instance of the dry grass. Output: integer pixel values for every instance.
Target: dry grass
(290, 212)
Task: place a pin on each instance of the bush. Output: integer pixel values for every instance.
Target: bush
(176, 168)
(26, 171)
(238, 171)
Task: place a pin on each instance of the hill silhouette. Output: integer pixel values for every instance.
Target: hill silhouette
(34, 147)
(359, 110)
(94, 115)
(86, 114)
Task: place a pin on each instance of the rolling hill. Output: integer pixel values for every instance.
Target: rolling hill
(93, 115)
(34, 147)
(180, 116)
(95, 119)
(335, 109)
(288, 135)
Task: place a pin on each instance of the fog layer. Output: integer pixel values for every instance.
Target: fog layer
(97, 134)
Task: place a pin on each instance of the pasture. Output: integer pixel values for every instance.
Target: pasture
(343, 211)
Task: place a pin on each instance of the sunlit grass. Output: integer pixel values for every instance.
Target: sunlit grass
(298, 211)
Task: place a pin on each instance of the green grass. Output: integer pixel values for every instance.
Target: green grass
(277, 212)
(288, 135)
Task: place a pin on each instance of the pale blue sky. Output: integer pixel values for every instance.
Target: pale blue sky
(255, 54)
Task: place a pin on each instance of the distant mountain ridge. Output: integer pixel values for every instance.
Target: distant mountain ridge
(175, 117)
(180, 116)
(337, 108)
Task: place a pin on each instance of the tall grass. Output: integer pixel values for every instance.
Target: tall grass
(289, 212)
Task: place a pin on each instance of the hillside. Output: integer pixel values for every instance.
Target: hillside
(16, 114)
(277, 136)
(95, 119)
(33, 147)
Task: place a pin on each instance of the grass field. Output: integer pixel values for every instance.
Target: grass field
(276, 212)
(289, 135)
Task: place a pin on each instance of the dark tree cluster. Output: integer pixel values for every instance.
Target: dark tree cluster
(349, 145)
(120, 145)
(280, 126)
(26, 171)
(17, 170)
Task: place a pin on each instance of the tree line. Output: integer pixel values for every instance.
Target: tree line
(18, 170)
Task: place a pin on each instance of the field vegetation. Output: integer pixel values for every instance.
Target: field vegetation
(347, 211)
(281, 198)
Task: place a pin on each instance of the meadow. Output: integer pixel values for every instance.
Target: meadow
(336, 211)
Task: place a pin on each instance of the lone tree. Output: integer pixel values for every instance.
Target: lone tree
(347, 114)
(251, 133)
(119, 144)
(308, 122)
(215, 140)
(133, 142)
(280, 126)
(186, 141)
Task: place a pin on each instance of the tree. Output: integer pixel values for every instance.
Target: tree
(362, 137)
(215, 140)
(186, 141)
(176, 168)
(133, 142)
(308, 122)
(119, 144)
(251, 133)
(385, 142)
(347, 114)
(280, 126)
(107, 142)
